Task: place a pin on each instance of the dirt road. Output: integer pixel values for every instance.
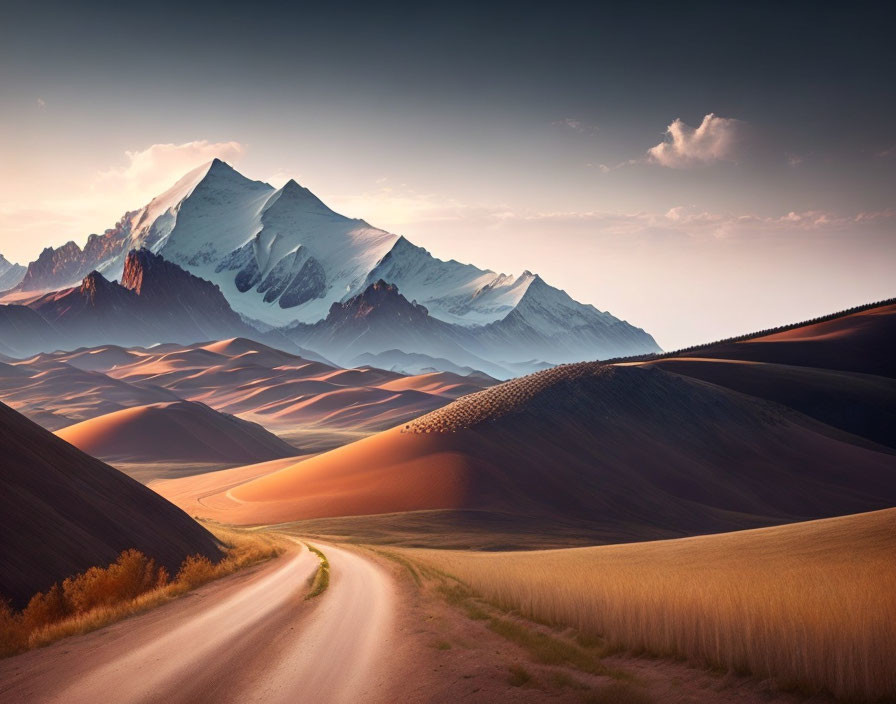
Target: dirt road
(251, 637)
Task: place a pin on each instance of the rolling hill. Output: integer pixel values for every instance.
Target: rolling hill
(176, 430)
(236, 376)
(808, 604)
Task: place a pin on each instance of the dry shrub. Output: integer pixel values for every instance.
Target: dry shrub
(195, 571)
(811, 605)
(129, 576)
(13, 635)
(130, 585)
(46, 608)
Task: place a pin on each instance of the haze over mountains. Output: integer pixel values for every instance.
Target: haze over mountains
(283, 259)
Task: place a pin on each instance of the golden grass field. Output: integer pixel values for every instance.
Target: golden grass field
(811, 605)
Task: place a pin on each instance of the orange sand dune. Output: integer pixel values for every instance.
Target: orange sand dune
(196, 487)
(179, 430)
(101, 358)
(636, 451)
(49, 386)
(235, 376)
(846, 326)
(363, 376)
(345, 481)
(438, 383)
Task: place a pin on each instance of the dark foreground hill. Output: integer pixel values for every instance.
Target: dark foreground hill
(62, 511)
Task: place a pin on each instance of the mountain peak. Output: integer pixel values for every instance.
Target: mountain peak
(379, 298)
(294, 195)
(95, 284)
(217, 164)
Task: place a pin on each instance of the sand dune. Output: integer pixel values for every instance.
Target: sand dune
(632, 452)
(861, 404)
(42, 386)
(179, 430)
(237, 376)
(99, 358)
(438, 383)
(62, 511)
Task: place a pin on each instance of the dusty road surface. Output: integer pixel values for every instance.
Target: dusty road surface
(251, 637)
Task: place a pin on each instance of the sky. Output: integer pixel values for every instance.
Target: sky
(696, 169)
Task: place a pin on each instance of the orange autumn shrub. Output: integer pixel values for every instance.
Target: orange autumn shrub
(196, 570)
(129, 576)
(130, 585)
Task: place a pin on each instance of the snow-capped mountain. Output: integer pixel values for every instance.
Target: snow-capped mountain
(282, 257)
(10, 273)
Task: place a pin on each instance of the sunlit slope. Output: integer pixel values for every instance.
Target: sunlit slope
(638, 451)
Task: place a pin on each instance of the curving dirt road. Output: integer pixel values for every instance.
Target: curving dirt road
(247, 638)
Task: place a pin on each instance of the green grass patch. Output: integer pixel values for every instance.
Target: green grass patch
(321, 579)
(550, 650)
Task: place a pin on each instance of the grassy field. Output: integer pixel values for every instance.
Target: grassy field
(811, 605)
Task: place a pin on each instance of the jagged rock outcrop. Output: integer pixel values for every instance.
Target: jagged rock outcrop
(156, 302)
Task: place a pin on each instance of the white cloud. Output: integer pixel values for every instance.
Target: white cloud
(150, 171)
(716, 139)
(41, 103)
(699, 224)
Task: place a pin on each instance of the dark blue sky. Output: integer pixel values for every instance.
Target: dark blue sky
(482, 131)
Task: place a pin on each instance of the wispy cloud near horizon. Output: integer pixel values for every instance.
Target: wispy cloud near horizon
(154, 169)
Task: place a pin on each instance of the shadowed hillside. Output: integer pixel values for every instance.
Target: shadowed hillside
(62, 511)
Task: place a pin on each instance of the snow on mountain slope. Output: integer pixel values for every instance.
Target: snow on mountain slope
(451, 291)
(303, 256)
(10, 273)
(281, 256)
(277, 255)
